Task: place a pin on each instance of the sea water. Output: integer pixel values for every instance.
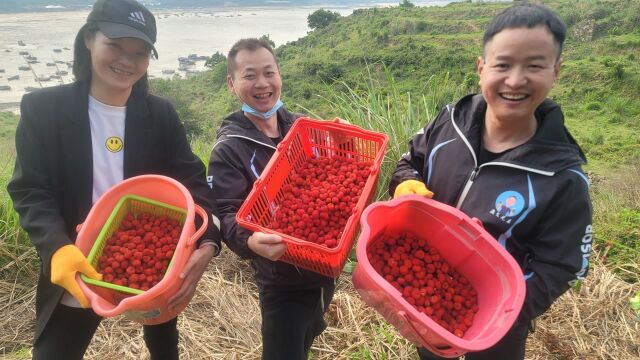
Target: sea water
(47, 39)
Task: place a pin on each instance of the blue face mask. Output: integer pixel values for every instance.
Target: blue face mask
(265, 115)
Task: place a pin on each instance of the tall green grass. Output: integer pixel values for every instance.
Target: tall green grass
(380, 106)
(17, 255)
(616, 218)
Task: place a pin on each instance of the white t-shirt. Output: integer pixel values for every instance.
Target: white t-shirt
(107, 146)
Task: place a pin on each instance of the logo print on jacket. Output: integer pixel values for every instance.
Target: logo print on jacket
(508, 205)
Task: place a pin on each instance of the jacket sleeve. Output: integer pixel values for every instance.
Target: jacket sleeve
(31, 190)
(559, 251)
(230, 187)
(187, 168)
(412, 163)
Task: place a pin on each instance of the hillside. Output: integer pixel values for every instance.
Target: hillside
(427, 55)
(598, 84)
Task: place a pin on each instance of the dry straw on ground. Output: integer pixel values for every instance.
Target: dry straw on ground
(223, 322)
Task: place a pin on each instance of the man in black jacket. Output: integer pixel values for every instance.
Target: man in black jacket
(505, 157)
(292, 300)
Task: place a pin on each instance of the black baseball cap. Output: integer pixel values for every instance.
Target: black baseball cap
(124, 18)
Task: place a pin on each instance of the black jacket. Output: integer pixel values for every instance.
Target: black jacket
(52, 182)
(239, 155)
(534, 199)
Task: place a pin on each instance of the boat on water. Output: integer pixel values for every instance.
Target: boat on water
(196, 57)
(5, 87)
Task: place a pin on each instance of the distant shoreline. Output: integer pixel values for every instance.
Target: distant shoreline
(222, 6)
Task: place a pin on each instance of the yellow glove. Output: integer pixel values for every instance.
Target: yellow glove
(409, 187)
(65, 262)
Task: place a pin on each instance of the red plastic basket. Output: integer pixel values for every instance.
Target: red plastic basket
(306, 139)
(464, 244)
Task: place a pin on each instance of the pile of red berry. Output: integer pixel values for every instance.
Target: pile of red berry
(138, 253)
(425, 280)
(320, 198)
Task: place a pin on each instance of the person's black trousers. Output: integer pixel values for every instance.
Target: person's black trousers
(291, 319)
(510, 347)
(69, 331)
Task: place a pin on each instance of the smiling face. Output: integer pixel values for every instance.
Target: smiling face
(116, 64)
(255, 79)
(517, 72)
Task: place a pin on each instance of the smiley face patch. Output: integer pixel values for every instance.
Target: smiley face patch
(114, 144)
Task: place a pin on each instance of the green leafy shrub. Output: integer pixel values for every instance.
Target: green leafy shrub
(322, 18)
(593, 106)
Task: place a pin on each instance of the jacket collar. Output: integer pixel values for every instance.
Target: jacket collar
(238, 125)
(77, 143)
(551, 149)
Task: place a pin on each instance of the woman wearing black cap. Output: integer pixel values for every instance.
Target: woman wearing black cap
(76, 141)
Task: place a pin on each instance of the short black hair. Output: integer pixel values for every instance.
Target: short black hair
(82, 59)
(251, 44)
(527, 15)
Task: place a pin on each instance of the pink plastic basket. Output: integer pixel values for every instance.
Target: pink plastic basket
(466, 246)
(151, 306)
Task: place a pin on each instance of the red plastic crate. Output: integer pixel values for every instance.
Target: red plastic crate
(466, 246)
(308, 138)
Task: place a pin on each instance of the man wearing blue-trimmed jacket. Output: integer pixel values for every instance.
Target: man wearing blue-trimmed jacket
(505, 157)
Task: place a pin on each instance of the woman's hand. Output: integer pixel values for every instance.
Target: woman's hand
(196, 265)
(65, 263)
(269, 246)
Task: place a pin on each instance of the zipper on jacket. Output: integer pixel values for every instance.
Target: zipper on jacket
(467, 186)
(476, 171)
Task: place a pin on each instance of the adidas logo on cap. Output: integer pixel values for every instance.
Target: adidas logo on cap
(138, 17)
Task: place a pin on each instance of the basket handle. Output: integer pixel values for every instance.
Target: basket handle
(205, 222)
(445, 351)
(478, 221)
